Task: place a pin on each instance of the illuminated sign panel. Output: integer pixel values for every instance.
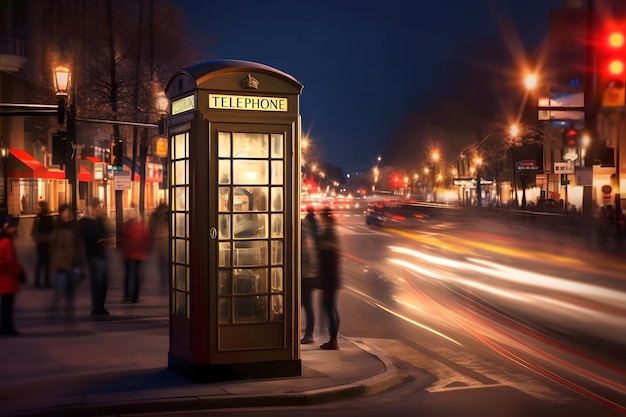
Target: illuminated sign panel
(183, 104)
(229, 102)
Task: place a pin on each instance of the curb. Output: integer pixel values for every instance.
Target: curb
(387, 379)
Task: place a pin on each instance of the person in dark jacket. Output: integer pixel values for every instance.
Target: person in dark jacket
(66, 257)
(310, 275)
(95, 239)
(10, 272)
(41, 232)
(328, 244)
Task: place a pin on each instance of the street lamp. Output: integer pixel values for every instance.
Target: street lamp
(62, 84)
(162, 105)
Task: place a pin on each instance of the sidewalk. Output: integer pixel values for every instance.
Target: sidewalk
(118, 364)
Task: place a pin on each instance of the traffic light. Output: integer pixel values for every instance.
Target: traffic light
(613, 69)
(58, 147)
(570, 137)
(117, 152)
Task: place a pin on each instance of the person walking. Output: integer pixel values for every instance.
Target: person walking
(66, 258)
(41, 232)
(11, 273)
(310, 275)
(159, 231)
(136, 245)
(328, 244)
(95, 238)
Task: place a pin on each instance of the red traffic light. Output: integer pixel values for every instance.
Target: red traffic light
(615, 40)
(570, 138)
(613, 67)
(615, 64)
(616, 67)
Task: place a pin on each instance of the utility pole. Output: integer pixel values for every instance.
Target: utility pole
(591, 98)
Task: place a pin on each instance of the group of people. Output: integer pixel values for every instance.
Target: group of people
(69, 250)
(320, 270)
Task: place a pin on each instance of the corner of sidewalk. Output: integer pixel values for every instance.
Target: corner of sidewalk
(378, 374)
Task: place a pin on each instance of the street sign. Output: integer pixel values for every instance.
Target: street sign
(526, 165)
(563, 168)
(121, 180)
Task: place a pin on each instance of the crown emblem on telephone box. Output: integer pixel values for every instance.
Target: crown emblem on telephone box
(250, 82)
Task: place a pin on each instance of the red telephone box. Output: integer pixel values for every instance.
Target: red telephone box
(234, 181)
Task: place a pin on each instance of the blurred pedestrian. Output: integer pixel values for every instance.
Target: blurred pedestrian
(310, 276)
(11, 275)
(160, 233)
(41, 232)
(136, 245)
(66, 258)
(95, 238)
(328, 244)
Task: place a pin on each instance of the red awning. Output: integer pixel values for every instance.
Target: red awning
(32, 168)
(84, 175)
(93, 159)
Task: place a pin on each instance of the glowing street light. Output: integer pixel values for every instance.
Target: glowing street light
(530, 81)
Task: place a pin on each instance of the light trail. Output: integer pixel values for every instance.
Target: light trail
(373, 302)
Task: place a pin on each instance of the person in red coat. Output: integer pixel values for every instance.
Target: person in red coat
(136, 246)
(10, 273)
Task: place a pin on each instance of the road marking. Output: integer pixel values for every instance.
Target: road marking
(359, 231)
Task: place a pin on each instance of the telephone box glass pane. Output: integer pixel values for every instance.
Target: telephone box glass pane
(277, 252)
(181, 303)
(277, 279)
(277, 145)
(277, 199)
(180, 172)
(250, 309)
(181, 251)
(224, 229)
(250, 281)
(250, 226)
(277, 225)
(225, 287)
(224, 310)
(180, 148)
(250, 145)
(224, 254)
(277, 313)
(180, 199)
(252, 253)
(180, 226)
(223, 144)
(224, 199)
(250, 199)
(224, 171)
(180, 279)
(277, 172)
(250, 172)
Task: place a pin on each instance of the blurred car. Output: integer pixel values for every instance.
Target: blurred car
(402, 214)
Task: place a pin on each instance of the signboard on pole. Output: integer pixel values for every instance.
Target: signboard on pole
(563, 168)
(121, 180)
(584, 176)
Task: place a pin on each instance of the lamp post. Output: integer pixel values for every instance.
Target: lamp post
(434, 156)
(478, 161)
(514, 132)
(4, 195)
(162, 105)
(62, 83)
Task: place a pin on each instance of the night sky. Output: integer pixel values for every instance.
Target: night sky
(363, 63)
